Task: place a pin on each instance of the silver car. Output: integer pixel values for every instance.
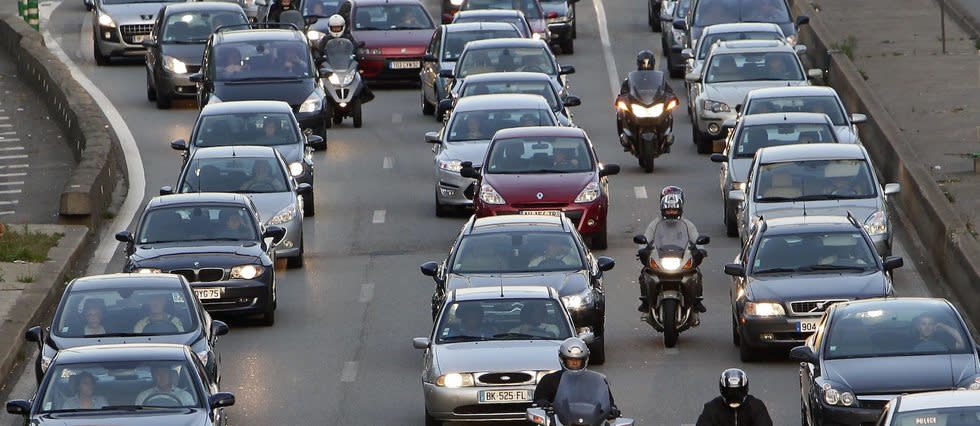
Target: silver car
(819, 99)
(815, 179)
(488, 350)
(533, 83)
(951, 407)
(467, 134)
(120, 26)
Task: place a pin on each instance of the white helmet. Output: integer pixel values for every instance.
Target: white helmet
(336, 25)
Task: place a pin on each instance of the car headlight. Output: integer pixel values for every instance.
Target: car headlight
(589, 194)
(451, 165)
(678, 37)
(791, 40)
(877, 223)
(314, 35)
(312, 103)
(148, 271)
(285, 215)
(577, 301)
(334, 79)
(641, 111)
(764, 309)
(203, 356)
(246, 272)
(538, 36)
(174, 65)
(489, 195)
(45, 362)
(834, 396)
(455, 380)
(714, 106)
(106, 21)
(296, 168)
(371, 51)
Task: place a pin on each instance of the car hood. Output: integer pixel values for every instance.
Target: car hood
(190, 54)
(559, 7)
(62, 343)
(292, 92)
(522, 355)
(169, 417)
(816, 286)
(208, 254)
(861, 209)
(291, 152)
(269, 204)
(565, 282)
(554, 187)
(128, 13)
(466, 151)
(733, 92)
(900, 374)
(845, 134)
(413, 40)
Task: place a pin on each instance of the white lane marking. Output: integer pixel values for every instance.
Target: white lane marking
(4, 117)
(367, 293)
(11, 183)
(136, 179)
(12, 157)
(12, 148)
(640, 191)
(6, 213)
(5, 125)
(396, 118)
(10, 191)
(388, 163)
(15, 166)
(12, 174)
(8, 133)
(3, 139)
(600, 12)
(349, 374)
(7, 203)
(379, 216)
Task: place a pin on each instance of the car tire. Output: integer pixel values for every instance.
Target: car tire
(736, 339)
(296, 262)
(597, 349)
(309, 208)
(745, 351)
(355, 108)
(431, 421)
(328, 115)
(164, 101)
(731, 225)
(600, 240)
(442, 210)
(100, 59)
(702, 141)
(323, 134)
(151, 92)
(574, 24)
(567, 45)
(671, 333)
(427, 108)
(268, 317)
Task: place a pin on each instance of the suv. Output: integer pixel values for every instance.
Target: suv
(792, 269)
(120, 26)
(705, 13)
(522, 250)
(815, 179)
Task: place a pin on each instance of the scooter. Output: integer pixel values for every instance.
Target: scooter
(582, 400)
(644, 117)
(342, 81)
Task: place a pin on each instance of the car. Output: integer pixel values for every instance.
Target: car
(816, 179)
(753, 132)
(449, 9)
(175, 46)
(464, 376)
(232, 271)
(731, 69)
(792, 269)
(120, 26)
(513, 250)
(445, 48)
(560, 17)
(705, 13)
(467, 134)
(517, 82)
(261, 174)
(322, 10)
(510, 16)
(672, 40)
(395, 34)
(246, 65)
(119, 308)
(531, 9)
(508, 55)
(951, 407)
(545, 170)
(819, 99)
(655, 11)
(124, 381)
(864, 353)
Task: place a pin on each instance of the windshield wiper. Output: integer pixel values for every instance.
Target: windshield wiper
(113, 335)
(773, 270)
(775, 199)
(518, 336)
(131, 407)
(463, 338)
(817, 197)
(832, 268)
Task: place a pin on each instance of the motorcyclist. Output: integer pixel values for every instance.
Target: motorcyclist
(645, 62)
(735, 406)
(337, 28)
(279, 7)
(573, 355)
(671, 208)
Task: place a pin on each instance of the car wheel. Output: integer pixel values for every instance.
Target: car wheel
(329, 115)
(567, 45)
(442, 210)
(163, 100)
(309, 208)
(597, 349)
(355, 109)
(431, 421)
(151, 92)
(268, 317)
(745, 351)
(296, 262)
(427, 108)
(730, 225)
(702, 141)
(323, 134)
(736, 340)
(100, 59)
(574, 25)
(600, 240)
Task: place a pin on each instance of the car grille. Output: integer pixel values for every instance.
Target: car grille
(812, 307)
(128, 31)
(873, 404)
(504, 378)
(519, 408)
(535, 206)
(204, 275)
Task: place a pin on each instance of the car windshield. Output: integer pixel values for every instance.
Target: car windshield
(529, 7)
(199, 223)
(902, 328)
(951, 416)
(506, 59)
(121, 386)
(541, 88)
(320, 8)
(456, 40)
(262, 60)
(267, 129)
(540, 154)
(244, 175)
(502, 319)
(129, 311)
(752, 138)
(517, 21)
(760, 66)
(814, 180)
(481, 125)
(196, 27)
(681, 8)
(392, 17)
(712, 12)
(704, 45)
(814, 252)
(818, 104)
(514, 252)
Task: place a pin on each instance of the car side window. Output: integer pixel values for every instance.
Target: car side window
(434, 43)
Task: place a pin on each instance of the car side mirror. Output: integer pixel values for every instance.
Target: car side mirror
(893, 188)
(893, 262)
(428, 57)
(310, 20)
(702, 240)
(729, 124)
(304, 189)
(429, 269)
(566, 69)
(680, 24)
(166, 190)
(640, 239)
(316, 141)
(687, 54)
(221, 399)
(219, 328)
(124, 236)
(605, 263)
(446, 73)
(277, 233)
(609, 170)
(178, 145)
(149, 42)
(858, 118)
(421, 343)
(34, 334)
(196, 77)
(735, 269)
(432, 137)
(719, 158)
(587, 336)
(736, 195)
(692, 77)
(814, 73)
(803, 354)
(468, 171)
(738, 109)
(19, 407)
(802, 20)
(800, 49)
(572, 101)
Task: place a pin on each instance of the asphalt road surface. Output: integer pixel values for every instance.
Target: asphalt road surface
(340, 352)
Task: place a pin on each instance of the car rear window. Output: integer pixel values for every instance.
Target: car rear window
(753, 138)
(456, 40)
(506, 59)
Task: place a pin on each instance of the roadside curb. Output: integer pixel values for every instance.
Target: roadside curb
(966, 20)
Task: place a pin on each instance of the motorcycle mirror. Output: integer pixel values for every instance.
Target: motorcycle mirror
(640, 239)
(702, 240)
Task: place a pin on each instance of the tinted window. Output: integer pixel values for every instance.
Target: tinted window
(753, 67)
(456, 40)
(392, 17)
(954, 416)
(705, 43)
(753, 138)
(246, 129)
(506, 59)
(129, 311)
(529, 7)
(819, 104)
(321, 8)
(236, 174)
(896, 329)
(539, 155)
(814, 252)
(814, 180)
(711, 12)
(518, 22)
(482, 125)
(502, 319)
(541, 88)
(196, 27)
(162, 384)
(202, 223)
(262, 60)
(505, 252)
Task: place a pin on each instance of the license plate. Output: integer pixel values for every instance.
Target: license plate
(209, 293)
(505, 396)
(404, 65)
(806, 326)
(138, 38)
(541, 212)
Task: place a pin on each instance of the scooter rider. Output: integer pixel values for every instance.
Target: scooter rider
(735, 406)
(645, 62)
(337, 28)
(573, 355)
(278, 8)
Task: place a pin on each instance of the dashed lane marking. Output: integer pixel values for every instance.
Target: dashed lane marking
(8, 203)
(12, 148)
(2, 175)
(6, 213)
(11, 183)
(349, 374)
(5, 125)
(12, 157)
(367, 293)
(8, 133)
(640, 191)
(5, 140)
(388, 163)
(379, 216)
(11, 191)
(672, 351)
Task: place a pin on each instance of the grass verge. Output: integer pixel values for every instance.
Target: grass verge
(22, 244)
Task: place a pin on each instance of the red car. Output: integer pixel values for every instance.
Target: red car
(395, 34)
(545, 170)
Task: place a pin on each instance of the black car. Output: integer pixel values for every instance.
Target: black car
(129, 308)
(705, 13)
(136, 383)
(673, 41)
(792, 269)
(865, 353)
(175, 46)
(528, 250)
(217, 243)
(242, 64)
(560, 17)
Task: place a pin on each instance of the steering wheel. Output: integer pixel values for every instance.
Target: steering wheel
(167, 400)
(551, 263)
(260, 185)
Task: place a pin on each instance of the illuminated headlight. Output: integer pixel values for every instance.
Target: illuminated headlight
(456, 3)
(371, 51)
(174, 65)
(314, 35)
(296, 168)
(147, 271)
(577, 301)
(537, 36)
(739, 186)
(246, 272)
(764, 309)
(678, 37)
(489, 195)
(312, 103)
(876, 224)
(451, 165)
(341, 79)
(714, 106)
(285, 215)
(455, 380)
(106, 21)
(203, 356)
(45, 362)
(835, 397)
(791, 40)
(589, 194)
(641, 111)
(670, 263)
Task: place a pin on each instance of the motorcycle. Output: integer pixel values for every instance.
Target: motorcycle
(582, 400)
(671, 269)
(644, 117)
(342, 82)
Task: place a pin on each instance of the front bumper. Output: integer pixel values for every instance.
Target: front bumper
(859, 416)
(177, 85)
(119, 44)
(379, 68)
(311, 120)
(453, 189)
(775, 332)
(239, 297)
(709, 123)
(462, 404)
(589, 217)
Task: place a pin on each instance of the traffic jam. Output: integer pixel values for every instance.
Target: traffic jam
(519, 300)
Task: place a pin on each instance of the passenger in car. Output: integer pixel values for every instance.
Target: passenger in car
(93, 309)
(85, 398)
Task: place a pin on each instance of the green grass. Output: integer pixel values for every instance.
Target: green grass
(846, 46)
(26, 279)
(25, 245)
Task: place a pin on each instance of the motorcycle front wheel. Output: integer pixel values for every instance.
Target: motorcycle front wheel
(668, 310)
(646, 157)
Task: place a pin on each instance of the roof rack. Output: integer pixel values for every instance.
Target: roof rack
(257, 26)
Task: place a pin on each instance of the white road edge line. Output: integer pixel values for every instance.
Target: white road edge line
(607, 53)
(136, 178)
(367, 293)
(6, 213)
(349, 374)
(640, 192)
(379, 216)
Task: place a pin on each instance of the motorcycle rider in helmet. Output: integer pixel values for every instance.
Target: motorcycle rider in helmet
(337, 28)
(735, 406)
(671, 208)
(278, 8)
(645, 63)
(573, 355)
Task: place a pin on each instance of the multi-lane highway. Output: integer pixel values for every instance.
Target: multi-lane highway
(340, 352)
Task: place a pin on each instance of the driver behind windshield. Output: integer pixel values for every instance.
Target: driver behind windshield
(934, 335)
(262, 177)
(272, 131)
(158, 320)
(164, 389)
(234, 226)
(292, 60)
(534, 321)
(780, 68)
(230, 62)
(557, 254)
(409, 19)
(469, 322)
(83, 384)
(843, 255)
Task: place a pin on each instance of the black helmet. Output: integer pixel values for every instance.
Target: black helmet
(734, 386)
(671, 202)
(573, 348)
(645, 60)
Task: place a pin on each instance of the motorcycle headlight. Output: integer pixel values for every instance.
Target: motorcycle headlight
(764, 309)
(838, 397)
(670, 263)
(489, 195)
(203, 356)
(314, 35)
(641, 111)
(45, 362)
(148, 271)
(455, 380)
(577, 301)
(715, 106)
(106, 21)
(877, 223)
(174, 65)
(341, 79)
(451, 165)
(246, 272)
(285, 215)
(589, 194)
(296, 168)
(312, 103)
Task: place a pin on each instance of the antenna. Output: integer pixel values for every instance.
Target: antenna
(501, 287)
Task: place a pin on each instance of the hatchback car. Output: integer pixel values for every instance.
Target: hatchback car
(120, 26)
(531, 9)
(135, 383)
(395, 34)
(175, 46)
(560, 16)
(217, 243)
(467, 134)
(865, 353)
(508, 55)
(948, 408)
(816, 179)
(528, 250)
(128, 308)
(514, 17)
(817, 99)
(545, 170)
(531, 83)
(792, 269)
(705, 13)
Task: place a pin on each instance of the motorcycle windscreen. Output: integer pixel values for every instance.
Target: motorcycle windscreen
(671, 238)
(646, 87)
(582, 398)
(338, 54)
(293, 17)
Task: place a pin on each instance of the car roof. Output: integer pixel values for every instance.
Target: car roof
(940, 399)
(112, 281)
(502, 101)
(503, 292)
(510, 223)
(491, 12)
(791, 92)
(737, 27)
(518, 132)
(786, 118)
(203, 5)
(198, 198)
(244, 106)
(808, 224)
(265, 34)
(379, 2)
(882, 302)
(739, 46)
(514, 76)
(505, 42)
(123, 352)
(810, 151)
(477, 26)
(230, 151)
